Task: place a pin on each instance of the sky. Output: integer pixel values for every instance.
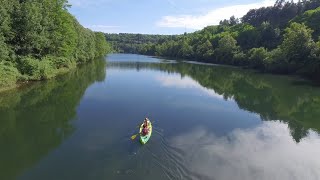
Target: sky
(158, 16)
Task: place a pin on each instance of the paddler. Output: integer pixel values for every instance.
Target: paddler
(145, 130)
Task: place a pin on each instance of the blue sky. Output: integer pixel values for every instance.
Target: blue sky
(158, 16)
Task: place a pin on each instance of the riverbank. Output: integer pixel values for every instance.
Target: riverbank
(39, 44)
(308, 80)
(21, 83)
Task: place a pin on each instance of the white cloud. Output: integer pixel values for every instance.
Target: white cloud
(186, 82)
(104, 28)
(265, 152)
(212, 17)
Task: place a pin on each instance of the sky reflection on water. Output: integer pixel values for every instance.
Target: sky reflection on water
(265, 152)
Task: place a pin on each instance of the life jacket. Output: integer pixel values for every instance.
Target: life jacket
(145, 131)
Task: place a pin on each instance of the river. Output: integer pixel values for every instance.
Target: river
(210, 122)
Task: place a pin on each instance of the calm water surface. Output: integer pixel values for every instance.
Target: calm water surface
(210, 122)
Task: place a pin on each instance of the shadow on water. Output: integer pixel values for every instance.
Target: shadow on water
(36, 119)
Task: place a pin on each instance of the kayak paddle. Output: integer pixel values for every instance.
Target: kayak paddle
(134, 136)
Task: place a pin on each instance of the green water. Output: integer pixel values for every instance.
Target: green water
(210, 122)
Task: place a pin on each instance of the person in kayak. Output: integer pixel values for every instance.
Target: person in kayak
(145, 130)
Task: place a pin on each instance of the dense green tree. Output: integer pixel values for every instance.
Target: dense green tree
(311, 18)
(257, 56)
(186, 50)
(9, 75)
(6, 33)
(4, 50)
(204, 50)
(275, 62)
(297, 45)
(224, 22)
(226, 50)
(288, 11)
(280, 14)
(255, 17)
(248, 37)
(40, 38)
(148, 49)
(310, 4)
(133, 43)
(233, 21)
(66, 26)
(267, 39)
(102, 47)
(7, 8)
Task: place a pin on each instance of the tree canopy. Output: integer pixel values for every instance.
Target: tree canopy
(283, 38)
(40, 39)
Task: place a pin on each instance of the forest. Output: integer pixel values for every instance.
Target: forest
(40, 39)
(283, 39)
(132, 43)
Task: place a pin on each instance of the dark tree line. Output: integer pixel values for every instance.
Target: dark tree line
(283, 38)
(132, 43)
(280, 14)
(40, 39)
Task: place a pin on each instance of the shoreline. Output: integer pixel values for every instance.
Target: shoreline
(21, 84)
(194, 61)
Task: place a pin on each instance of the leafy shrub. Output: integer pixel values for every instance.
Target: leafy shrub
(257, 56)
(37, 70)
(276, 62)
(61, 62)
(240, 58)
(8, 75)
